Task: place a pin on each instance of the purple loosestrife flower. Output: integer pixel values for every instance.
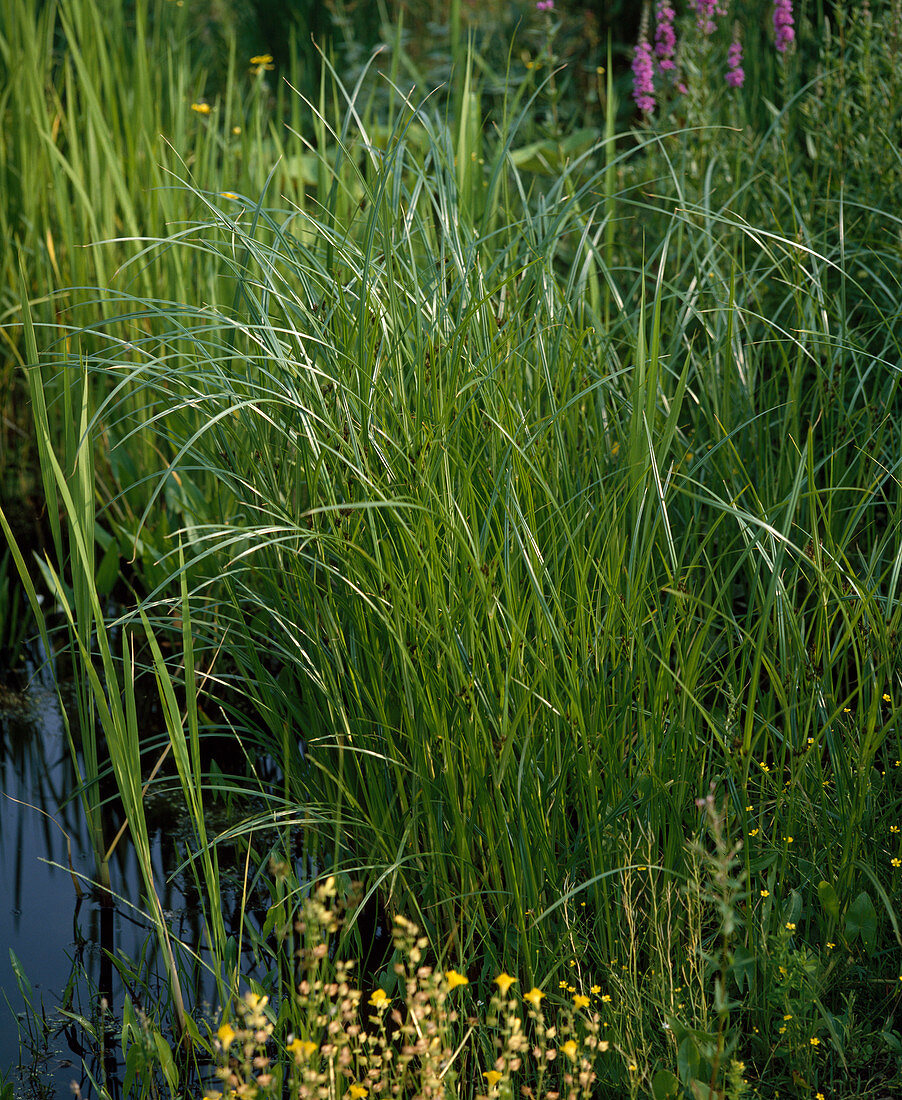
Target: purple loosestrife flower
(705, 10)
(665, 36)
(643, 76)
(735, 73)
(783, 25)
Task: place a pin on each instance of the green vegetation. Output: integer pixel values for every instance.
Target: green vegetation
(524, 490)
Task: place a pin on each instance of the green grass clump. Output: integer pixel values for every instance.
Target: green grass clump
(531, 508)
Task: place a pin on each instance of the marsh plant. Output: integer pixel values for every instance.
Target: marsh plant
(500, 493)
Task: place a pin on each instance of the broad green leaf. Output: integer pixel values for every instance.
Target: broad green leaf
(743, 967)
(861, 920)
(665, 1085)
(829, 900)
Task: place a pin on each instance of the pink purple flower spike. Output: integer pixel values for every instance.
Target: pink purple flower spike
(735, 73)
(665, 36)
(544, 5)
(784, 31)
(705, 10)
(643, 76)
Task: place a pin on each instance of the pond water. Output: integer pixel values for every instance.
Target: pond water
(60, 942)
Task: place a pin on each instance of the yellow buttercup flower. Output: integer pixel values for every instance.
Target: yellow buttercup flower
(504, 982)
(226, 1035)
(534, 996)
(580, 1001)
(454, 979)
(569, 1048)
(492, 1076)
(301, 1048)
(201, 108)
(379, 998)
(358, 1092)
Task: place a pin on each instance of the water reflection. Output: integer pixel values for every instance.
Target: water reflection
(62, 931)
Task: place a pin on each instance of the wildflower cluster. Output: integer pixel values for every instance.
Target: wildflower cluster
(402, 1040)
(663, 58)
(784, 32)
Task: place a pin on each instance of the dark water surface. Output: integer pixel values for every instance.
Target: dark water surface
(62, 941)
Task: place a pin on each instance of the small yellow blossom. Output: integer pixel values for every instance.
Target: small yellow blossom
(815, 1042)
(788, 1016)
(765, 893)
(236, 130)
(569, 1048)
(201, 108)
(606, 999)
(791, 926)
(894, 828)
(379, 998)
(226, 1035)
(782, 1030)
(301, 1048)
(263, 63)
(580, 1001)
(534, 996)
(358, 1092)
(504, 982)
(830, 945)
(633, 1067)
(454, 979)
(595, 990)
(886, 698)
(819, 1096)
(789, 839)
(748, 809)
(562, 985)
(492, 1076)
(896, 862)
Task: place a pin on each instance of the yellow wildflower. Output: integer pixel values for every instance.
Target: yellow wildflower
(226, 1035)
(301, 1048)
(580, 1001)
(492, 1076)
(358, 1092)
(379, 998)
(569, 1048)
(815, 1042)
(534, 996)
(504, 982)
(201, 108)
(454, 979)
